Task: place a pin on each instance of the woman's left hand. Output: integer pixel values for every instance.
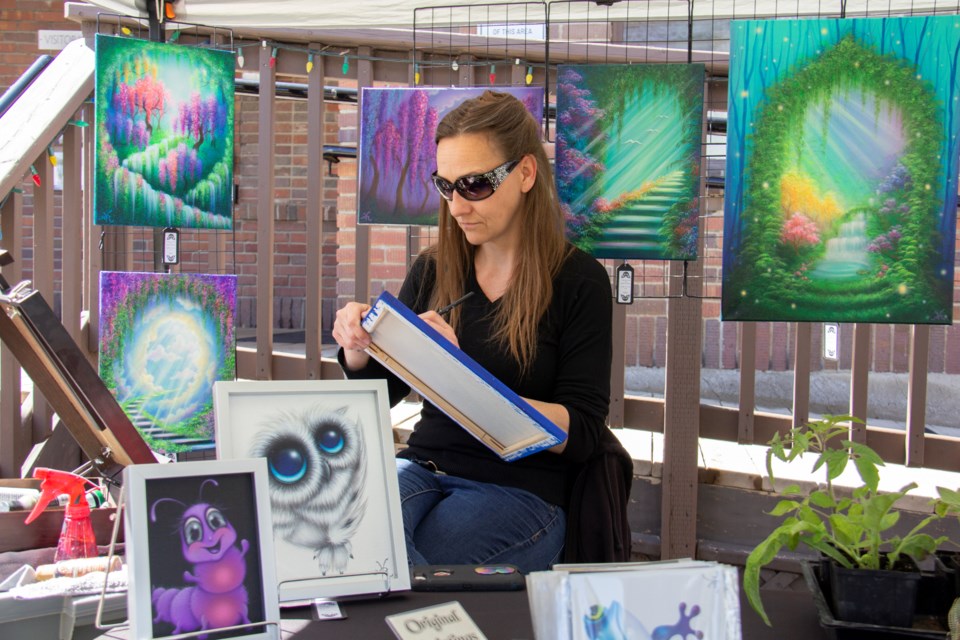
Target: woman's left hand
(436, 321)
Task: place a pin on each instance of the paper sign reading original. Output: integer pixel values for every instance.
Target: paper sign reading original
(449, 621)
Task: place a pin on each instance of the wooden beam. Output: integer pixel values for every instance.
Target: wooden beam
(801, 374)
(71, 289)
(618, 367)
(43, 258)
(15, 440)
(362, 234)
(859, 381)
(917, 394)
(748, 377)
(314, 222)
(93, 251)
(681, 428)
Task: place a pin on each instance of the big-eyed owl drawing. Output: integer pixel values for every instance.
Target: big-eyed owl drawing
(317, 468)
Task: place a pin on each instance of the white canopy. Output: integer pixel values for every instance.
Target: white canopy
(352, 14)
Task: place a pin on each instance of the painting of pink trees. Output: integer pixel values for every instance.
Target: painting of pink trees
(397, 151)
(164, 135)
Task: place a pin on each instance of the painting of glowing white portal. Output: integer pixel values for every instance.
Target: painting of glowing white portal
(841, 178)
(165, 339)
(628, 158)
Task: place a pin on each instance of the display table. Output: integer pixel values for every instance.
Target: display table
(505, 615)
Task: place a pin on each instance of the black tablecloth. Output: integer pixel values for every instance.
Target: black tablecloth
(505, 615)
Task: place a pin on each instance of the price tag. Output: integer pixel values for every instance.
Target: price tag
(624, 284)
(171, 246)
(327, 610)
(831, 339)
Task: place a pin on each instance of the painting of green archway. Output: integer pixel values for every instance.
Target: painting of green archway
(628, 158)
(164, 134)
(841, 178)
(165, 339)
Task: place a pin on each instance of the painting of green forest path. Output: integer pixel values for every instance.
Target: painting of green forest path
(628, 158)
(164, 132)
(841, 178)
(164, 340)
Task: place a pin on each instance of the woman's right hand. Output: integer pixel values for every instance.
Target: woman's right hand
(351, 336)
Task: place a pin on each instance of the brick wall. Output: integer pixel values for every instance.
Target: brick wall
(646, 326)
(20, 20)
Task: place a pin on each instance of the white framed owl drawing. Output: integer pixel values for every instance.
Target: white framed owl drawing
(332, 481)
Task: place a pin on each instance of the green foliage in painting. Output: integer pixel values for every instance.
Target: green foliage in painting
(628, 158)
(164, 134)
(802, 245)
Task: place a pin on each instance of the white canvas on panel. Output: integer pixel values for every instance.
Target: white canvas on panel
(693, 600)
(332, 481)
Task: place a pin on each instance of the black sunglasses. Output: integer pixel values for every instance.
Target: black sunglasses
(476, 187)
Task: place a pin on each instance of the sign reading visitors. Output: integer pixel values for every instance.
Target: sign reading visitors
(49, 40)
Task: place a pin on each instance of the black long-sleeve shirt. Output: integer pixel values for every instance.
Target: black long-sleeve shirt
(572, 368)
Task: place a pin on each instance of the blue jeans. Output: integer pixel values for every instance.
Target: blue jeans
(450, 520)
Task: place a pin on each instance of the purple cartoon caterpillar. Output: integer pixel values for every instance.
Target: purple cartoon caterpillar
(218, 598)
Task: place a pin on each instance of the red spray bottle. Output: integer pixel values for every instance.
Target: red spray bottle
(76, 538)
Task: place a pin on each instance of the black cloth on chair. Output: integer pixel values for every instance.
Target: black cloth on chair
(597, 526)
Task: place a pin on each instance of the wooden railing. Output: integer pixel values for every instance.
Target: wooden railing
(58, 97)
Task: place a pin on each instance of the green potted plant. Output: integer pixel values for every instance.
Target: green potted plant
(851, 531)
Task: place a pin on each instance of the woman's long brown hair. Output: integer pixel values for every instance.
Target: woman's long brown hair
(513, 131)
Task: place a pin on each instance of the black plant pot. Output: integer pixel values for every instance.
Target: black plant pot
(930, 622)
(947, 566)
(879, 597)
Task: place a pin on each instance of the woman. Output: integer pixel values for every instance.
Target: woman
(539, 320)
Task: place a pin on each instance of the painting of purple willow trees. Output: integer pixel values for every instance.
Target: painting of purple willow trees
(628, 158)
(164, 132)
(398, 154)
(164, 340)
(841, 180)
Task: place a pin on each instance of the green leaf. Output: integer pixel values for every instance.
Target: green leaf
(831, 552)
(836, 462)
(811, 517)
(876, 508)
(845, 530)
(761, 555)
(863, 451)
(920, 545)
(950, 497)
(889, 520)
(791, 490)
(822, 499)
(867, 469)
